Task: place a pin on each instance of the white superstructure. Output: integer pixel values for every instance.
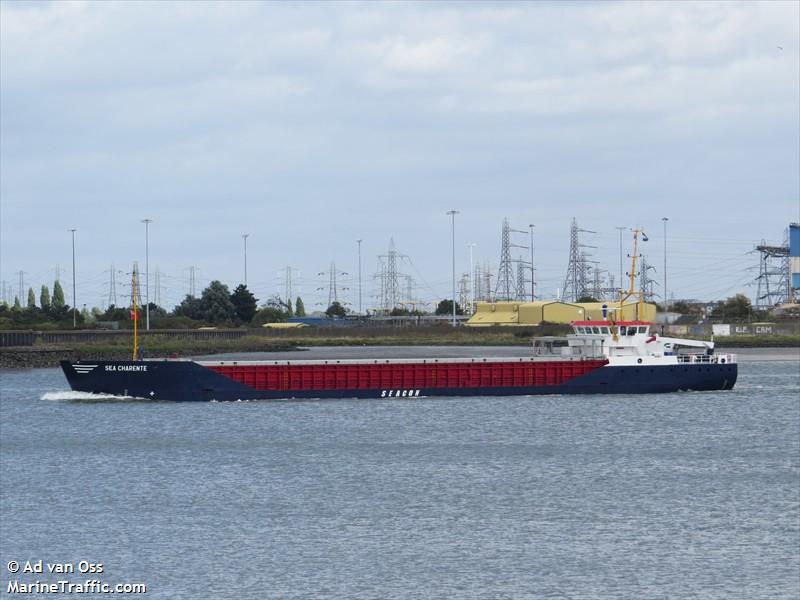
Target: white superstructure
(629, 343)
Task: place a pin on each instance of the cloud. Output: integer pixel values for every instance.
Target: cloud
(320, 122)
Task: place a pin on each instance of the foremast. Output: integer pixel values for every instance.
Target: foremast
(623, 295)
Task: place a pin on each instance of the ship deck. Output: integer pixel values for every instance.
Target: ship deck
(372, 353)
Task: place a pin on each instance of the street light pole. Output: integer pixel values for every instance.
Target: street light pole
(533, 272)
(74, 314)
(666, 297)
(244, 237)
(359, 276)
(147, 271)
(472, 281)
(453, 214)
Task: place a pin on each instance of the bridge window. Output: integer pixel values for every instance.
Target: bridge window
(642, 329)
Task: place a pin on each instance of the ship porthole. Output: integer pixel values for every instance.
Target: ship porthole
(722, 360)
(639, 360)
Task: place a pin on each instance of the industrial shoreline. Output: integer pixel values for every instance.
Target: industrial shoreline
(49, 358)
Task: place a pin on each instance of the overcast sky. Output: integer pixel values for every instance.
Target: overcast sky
(311, 125)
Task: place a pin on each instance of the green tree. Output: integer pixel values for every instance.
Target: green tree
(685, 308)
(273, 311)
(445, 307)
(58, 296)
(336, 310)
(115, 313)
(735, 307)
(299, 307)
(44, 299)
(269, 314)
(189, 308)
(215, 303)
(155, 310)
(31, 299)
(17, 305)
(289, 311)
(586, 298)
(244, 303)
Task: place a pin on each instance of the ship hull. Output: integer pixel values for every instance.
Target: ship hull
(191, 381)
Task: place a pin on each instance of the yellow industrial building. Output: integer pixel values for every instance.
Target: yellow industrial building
(532, 313)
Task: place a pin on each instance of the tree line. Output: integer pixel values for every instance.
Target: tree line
(216, 306)
(52, 309)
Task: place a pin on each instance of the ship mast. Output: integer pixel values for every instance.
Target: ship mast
(632, 278)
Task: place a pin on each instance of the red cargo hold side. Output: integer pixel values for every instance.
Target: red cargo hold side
(417, 375)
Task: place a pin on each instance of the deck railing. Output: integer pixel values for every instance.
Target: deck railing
(706, 358)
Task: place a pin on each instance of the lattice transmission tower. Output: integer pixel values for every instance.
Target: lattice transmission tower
(773, 274)
(389, 278)
(333, 286)
(522, 279)
(112, 287)
(194, 272)
(602, 283)
(288, 283)
(157, 297)
(410, 296)
(463, 292)
(508, 282)
(477, 285)
(576, 281)
(645, 282)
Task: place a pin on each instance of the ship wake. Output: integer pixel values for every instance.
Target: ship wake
(72, 396)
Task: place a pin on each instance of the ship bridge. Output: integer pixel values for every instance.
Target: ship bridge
(627, 342)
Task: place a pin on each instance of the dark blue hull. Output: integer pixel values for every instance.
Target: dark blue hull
(189, 381)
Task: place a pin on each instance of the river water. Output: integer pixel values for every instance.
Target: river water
(691, 495)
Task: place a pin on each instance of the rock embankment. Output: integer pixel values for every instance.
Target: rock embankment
(28, 358)
(48, 357)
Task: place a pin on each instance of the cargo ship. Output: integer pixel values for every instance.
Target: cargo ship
(605, 356)
(599, 357)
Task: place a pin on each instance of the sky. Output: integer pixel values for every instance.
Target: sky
(310, 125)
